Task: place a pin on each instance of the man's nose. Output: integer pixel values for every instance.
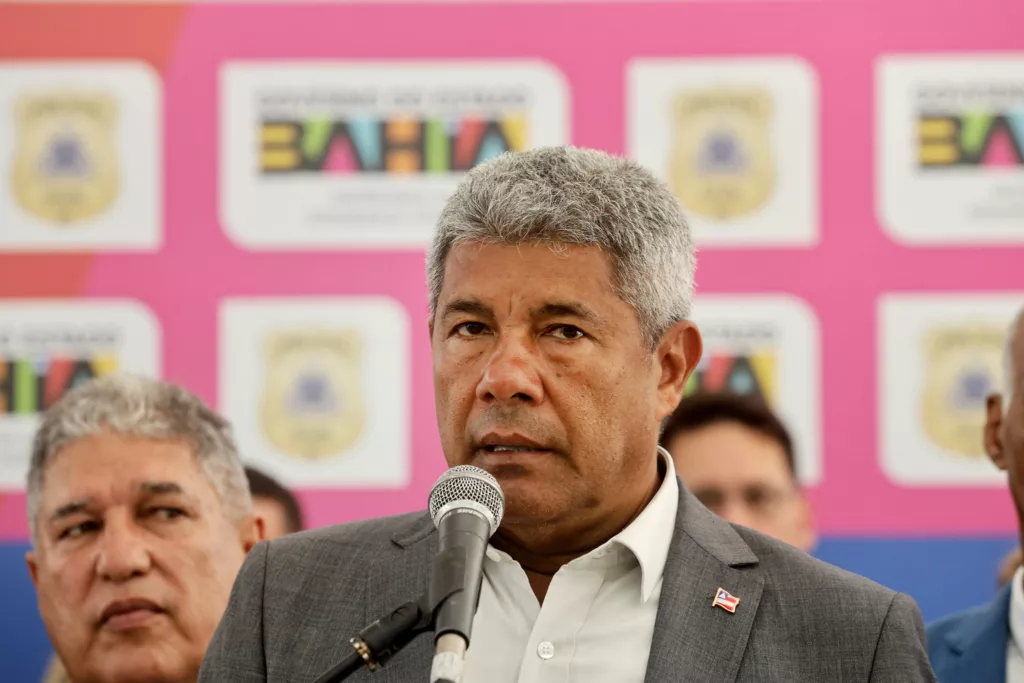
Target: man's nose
(511, 374)
(738, 512)
(123, 553)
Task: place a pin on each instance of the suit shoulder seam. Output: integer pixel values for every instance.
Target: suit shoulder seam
(881, 630)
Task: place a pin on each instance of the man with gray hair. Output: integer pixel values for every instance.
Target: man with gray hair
(140, 517)
(560, 285)
(985, 644)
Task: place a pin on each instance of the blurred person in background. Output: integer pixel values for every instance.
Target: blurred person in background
(140, 517)
(985, 644)
(736, 456)
(274, 504)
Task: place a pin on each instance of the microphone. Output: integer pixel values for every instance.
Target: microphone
(466, 504)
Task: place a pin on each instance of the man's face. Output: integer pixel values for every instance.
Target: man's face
(275, 519)
(542, 378)
(135, 559)
(742, 476)
(1004, 428)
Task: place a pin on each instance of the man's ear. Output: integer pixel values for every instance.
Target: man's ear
(678, 353)
(993, 434)
(251, 531)
(33, 567)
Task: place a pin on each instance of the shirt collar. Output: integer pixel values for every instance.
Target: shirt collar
(1017, 608)
(647, 538)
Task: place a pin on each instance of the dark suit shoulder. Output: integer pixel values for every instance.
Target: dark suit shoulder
(794, 572)
(325, 550)
(875, 630)
(940, 627)
(986, 622)
(937, 632)
(373, 533)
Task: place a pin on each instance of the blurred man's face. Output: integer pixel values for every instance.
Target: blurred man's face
(742, 475)
(135, 559)
(275, 519)
(1004, 429)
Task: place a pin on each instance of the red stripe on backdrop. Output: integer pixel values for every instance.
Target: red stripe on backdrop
(65, 274)
(48, 31)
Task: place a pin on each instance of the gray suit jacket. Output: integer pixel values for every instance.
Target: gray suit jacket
(300, 598)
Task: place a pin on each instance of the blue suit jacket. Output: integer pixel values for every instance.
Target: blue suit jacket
(970, 646)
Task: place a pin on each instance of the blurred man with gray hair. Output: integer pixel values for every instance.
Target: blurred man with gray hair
(560, 286)
(140, 516)
(985, 644)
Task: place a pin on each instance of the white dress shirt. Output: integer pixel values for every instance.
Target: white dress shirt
(597, 620)
(1015, 643)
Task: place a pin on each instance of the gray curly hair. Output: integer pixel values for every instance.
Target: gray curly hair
(573, 196)
(142, 407)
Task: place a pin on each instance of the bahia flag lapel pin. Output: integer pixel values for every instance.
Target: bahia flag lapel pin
(725, 600)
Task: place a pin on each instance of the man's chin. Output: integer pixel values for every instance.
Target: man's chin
(144, 660)
(527, 508)
(151, 672)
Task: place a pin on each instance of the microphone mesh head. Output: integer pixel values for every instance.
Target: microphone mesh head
(471, 484)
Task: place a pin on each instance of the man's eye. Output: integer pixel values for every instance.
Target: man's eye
(166, 513)
(568, 332)
(78, 530)
(710, 498)
(471, 329)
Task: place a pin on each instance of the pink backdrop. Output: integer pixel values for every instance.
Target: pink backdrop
(841, 278)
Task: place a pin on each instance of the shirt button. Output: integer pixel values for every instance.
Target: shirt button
(545, 650)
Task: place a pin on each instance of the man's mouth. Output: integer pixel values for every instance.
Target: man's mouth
(513, 449)
(124, 615)
(510, 442)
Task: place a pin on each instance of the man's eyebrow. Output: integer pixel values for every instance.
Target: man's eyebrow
(568, 308)
(154, 488)
(470, 306)
(72, 508)
(160, 487)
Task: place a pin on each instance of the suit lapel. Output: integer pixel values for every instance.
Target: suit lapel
(695, 641)
(978, 645)
(403, 577)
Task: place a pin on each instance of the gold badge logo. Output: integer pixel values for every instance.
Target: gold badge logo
(722, 164)
(312, 404)
(65, 166)
(963, 368)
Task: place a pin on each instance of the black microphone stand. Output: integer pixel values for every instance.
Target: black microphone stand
(381, 640)
(384, 638)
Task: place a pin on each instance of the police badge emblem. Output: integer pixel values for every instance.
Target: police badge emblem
(312, 404)
(963, 366)
(722, 165)
(65, 167)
